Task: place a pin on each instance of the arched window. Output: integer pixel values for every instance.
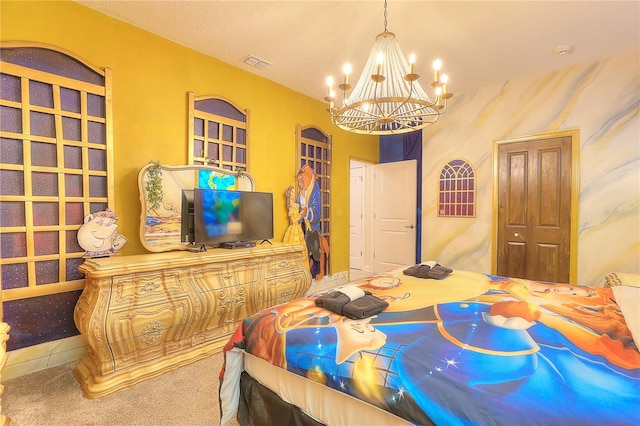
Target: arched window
(457, 191)
(56, 158)
(218, 133)
(56, 162)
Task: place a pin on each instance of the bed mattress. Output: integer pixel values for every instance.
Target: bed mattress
(324, 404)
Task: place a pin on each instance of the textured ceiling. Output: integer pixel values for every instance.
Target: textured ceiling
(479, 42)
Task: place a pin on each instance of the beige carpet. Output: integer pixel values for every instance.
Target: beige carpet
(183, 397)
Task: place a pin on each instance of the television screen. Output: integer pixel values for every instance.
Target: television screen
(221, 216)
(187, 227)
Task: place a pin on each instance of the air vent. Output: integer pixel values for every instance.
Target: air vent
(256, 62)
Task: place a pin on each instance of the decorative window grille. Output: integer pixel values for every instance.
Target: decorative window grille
(314, 150)
(56, 159)
(457, 192)
(218, 133)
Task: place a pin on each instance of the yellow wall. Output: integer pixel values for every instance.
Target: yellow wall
(151, 79)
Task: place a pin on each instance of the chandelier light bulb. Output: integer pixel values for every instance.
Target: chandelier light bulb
(412, 61)
(379, 59)
(347, 70)
(330, 96)
(437, 64)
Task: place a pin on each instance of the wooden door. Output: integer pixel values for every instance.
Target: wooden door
(534, 209)
(395, 188)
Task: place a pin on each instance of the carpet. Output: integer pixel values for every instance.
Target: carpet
(187, 396)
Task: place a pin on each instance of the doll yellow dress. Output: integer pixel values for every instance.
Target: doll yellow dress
(293, 234)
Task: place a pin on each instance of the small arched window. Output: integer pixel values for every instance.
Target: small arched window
(218, 133)
(457, 191)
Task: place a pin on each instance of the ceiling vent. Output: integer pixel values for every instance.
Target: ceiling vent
(256, 62)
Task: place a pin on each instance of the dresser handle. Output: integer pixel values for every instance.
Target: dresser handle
(149, 286)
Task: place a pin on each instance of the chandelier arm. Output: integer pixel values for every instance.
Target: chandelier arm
(351, 118)
(423, 110)
(430, 118)
(369, 125)
(411, 91)
(375, 97)
(354, 110)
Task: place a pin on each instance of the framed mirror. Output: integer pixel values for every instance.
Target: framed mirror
(160, 187)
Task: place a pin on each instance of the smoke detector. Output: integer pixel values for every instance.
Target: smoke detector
(563, 49)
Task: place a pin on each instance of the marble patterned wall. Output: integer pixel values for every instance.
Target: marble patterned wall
(602, 101)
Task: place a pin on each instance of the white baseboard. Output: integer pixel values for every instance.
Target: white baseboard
(45, 355)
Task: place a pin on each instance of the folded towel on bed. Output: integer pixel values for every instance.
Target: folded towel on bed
(336, 301)
(365, 307)
(439, 272)
(353, 291)
(419, 271)
(333, 301)
(429, 269)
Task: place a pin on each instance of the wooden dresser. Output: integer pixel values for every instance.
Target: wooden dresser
(144, 315)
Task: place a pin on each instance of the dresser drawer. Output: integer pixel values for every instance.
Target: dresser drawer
(282, 266)
(148, 332)
(142, 288)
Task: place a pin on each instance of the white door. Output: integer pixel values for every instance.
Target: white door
(395, 193)
(356, 216)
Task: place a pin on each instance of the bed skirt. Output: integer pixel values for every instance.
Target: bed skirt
(260, 406)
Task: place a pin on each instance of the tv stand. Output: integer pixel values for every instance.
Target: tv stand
(237, 244)
(195, 249)
(144, 315)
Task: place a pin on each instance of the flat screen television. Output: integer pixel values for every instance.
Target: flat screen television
(217, 217)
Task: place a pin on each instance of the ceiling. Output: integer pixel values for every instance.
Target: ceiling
(479, 42)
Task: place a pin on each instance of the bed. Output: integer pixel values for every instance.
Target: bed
(469, 348)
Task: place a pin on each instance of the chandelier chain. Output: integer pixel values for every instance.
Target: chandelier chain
(385, 15)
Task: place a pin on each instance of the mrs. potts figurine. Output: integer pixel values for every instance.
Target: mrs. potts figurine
(99, 234)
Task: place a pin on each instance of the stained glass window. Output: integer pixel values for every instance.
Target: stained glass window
(457, 191)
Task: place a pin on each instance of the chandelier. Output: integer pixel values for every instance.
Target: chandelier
(387, 98)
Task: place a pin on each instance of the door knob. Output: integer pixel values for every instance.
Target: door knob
(410, 226)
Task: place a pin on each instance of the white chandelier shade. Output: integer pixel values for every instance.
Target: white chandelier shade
(387, 98)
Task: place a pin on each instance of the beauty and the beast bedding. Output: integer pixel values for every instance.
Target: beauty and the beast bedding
(468, 349)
